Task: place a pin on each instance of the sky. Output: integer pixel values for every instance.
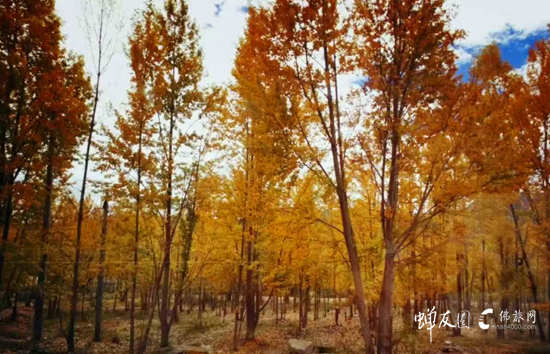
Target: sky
(513, 24)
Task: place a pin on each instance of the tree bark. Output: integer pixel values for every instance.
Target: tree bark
(101, 276)
(459, 291)
(385, 305)
(136, 246)
(250, 303)
(74, 297)
(38, 323)
(339, 172)
(164, 321)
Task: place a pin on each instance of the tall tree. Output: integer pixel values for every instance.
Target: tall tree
(43, 100)
(404, 49)
(536, 125)
(103, 13)
(177, 97)
(301, 44)
(30, 48)
(65, 112)
(126, 153)
(258, 122)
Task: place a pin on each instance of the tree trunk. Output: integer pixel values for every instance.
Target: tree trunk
(145, 338)
(483, 274)
(459, 292)
(74, 298)
(250, 303)
(38, 323)
(164, 321)
(385, 306)
(6, 220)
(136, 248)
(307, 304)
(301, 308)
(101, 276)
(116, 296)
(3, 164)
(238, 306)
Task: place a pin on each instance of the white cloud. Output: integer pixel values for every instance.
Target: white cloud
(463, 57)
(484, 19)
(522, 71)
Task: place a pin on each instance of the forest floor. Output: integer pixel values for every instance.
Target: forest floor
(217, 334)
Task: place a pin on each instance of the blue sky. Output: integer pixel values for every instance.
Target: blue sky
(514, 45)
(516, 51)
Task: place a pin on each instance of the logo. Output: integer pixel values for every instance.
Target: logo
(505, 320)
(482, 324)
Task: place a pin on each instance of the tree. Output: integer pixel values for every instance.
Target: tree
(42, 107)
(28, 60)
(405, 51)
(65, 117)
(535, 125)
(300, 43)
(126, 152)
(98, 31)
(260, 124)
(101, 275)
(173, 64)
(176, 98)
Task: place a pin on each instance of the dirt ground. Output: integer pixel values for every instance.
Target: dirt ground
(217, 334)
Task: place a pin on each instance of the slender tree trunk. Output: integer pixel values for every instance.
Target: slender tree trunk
(316, 303)
(101, 276)
(339, 172)
(467, 279)
(38, 323)
(136, 246)
(459, 291)
(8, 178)
(164, 321)
(238, 305)
(387, 214)
(126, 306)
(548, 288)
(6, 218)
(307, 303)
(3, 164)
(483, 275)
(301, 308)
(385, 305)
(250, 303)
(145, 337)
(116, 296)
(74, 298)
